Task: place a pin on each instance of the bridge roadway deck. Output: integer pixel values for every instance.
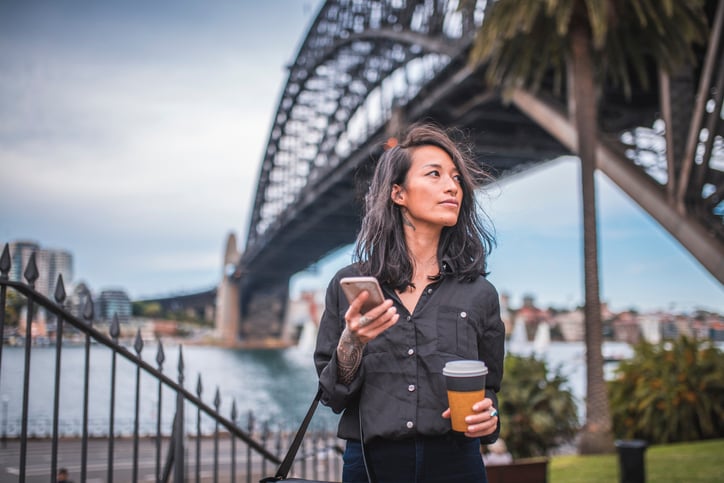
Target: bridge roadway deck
(69, 456)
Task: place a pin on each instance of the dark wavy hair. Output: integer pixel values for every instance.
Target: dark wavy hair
(381, 250)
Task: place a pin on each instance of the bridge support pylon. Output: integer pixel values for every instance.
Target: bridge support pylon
(227, 296)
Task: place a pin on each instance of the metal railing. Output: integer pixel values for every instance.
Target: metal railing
(261, 449)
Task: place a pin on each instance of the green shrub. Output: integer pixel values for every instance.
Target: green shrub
(670, 392)
(537, 412)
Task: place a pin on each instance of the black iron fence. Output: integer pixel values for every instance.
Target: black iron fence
(237, 454)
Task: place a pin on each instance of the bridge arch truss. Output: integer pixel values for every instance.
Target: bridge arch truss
(367, 67)
(359, 60)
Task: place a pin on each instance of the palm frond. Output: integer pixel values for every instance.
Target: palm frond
(522, 41)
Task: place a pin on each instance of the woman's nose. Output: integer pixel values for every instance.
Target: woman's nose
(451, 185)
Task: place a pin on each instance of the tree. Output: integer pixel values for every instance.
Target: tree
(524, 42)
(670, 392)
(147, 309)
(13, 308)
(538, 412)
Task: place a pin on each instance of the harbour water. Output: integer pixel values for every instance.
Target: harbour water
(276, 385)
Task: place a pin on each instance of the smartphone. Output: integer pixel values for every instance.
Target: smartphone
(353, 286)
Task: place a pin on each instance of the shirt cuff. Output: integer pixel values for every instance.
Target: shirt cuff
(336, 395)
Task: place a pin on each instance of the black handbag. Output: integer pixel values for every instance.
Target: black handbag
(283, 471)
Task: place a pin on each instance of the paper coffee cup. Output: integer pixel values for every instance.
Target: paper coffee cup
(465, 386)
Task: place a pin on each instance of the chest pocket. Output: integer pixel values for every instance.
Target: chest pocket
(456, 333)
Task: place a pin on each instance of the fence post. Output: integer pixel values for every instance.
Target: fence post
(178, 472)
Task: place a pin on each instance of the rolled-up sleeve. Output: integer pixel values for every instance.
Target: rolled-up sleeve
(334, 394)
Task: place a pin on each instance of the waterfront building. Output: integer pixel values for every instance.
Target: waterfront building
(571, 325)
(19, 255)
(114, 302)
(716, 331)
(77, 298)
(50, 263)
(650, 327)
(626, 328)
(505, 313)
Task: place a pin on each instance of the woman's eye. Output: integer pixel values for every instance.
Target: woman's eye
(435, 173)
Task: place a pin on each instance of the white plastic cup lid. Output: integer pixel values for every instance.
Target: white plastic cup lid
(465, 368)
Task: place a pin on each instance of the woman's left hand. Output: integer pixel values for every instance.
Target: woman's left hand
(482, 422)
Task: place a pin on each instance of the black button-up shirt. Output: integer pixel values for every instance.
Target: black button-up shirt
(399, 386)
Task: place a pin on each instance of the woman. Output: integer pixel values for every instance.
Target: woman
(423, 239)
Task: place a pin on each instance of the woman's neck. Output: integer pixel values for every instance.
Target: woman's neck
(422, 248)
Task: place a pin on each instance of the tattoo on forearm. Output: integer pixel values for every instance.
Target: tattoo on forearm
(349, 356)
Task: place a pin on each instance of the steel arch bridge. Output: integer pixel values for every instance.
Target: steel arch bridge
(368, 68)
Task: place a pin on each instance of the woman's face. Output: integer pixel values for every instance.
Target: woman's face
(432, 193)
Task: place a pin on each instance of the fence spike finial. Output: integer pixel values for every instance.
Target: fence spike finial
(5, 263)
(115, 329)
(59, 290)
(217, 399)
(31, 271)
(180, 365)
(88, 309)
(160, 355)
(233, 411)
(199, 386)
(138, 343)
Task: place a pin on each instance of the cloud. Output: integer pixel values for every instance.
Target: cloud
(131, 134)
(179, 261)
(542, 199)
(133, 137)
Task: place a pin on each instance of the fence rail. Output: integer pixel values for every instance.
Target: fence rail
(176, 446)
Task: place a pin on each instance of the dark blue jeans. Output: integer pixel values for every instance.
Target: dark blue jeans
(450, 458)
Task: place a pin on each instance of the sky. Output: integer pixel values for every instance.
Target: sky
(131, 134)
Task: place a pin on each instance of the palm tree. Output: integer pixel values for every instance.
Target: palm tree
(525, 42)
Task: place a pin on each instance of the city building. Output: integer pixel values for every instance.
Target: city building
(571, 325)
(20, 252)
(114, 302)
(50, 264)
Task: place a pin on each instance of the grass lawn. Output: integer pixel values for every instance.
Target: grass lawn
(701, 461)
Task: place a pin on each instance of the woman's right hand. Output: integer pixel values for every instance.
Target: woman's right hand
(361, 328)
(366, 327)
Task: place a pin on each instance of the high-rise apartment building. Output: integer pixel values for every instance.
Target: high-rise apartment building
(114, 302)
(50, 263)
(19, 255)
(60, 263)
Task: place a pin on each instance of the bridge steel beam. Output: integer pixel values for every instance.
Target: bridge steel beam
(366, 69)
(640, 187)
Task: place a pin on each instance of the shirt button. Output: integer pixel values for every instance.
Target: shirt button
(410, 352)
(409, 317)
(463, 314)
(410, 425)
(411, 387)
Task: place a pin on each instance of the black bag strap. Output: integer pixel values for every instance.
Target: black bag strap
(292, 452)
(368, 467)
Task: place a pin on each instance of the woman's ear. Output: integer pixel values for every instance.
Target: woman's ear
(397, 195)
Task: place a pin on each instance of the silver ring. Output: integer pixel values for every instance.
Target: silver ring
(493, 412)
(363, 320)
